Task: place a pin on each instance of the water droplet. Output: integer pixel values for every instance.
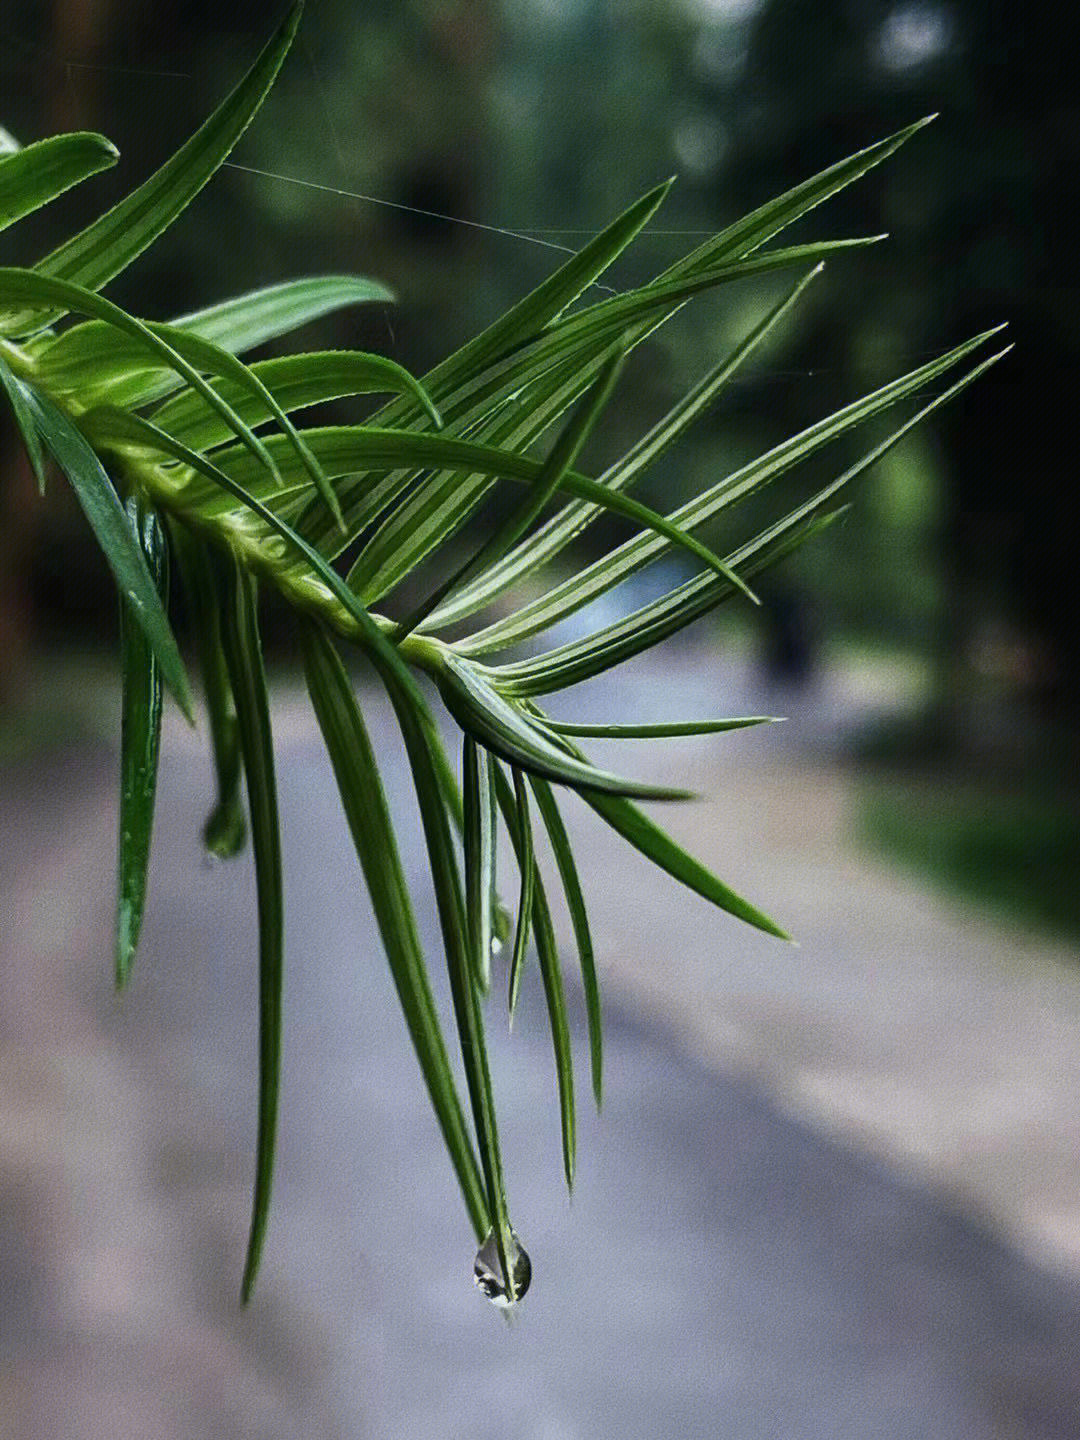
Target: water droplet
(488, 1273)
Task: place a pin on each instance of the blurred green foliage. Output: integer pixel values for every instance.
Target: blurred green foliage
(1015, 850)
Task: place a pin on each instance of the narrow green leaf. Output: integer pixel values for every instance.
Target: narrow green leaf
(510, 406)
(24, 420)
(295, 381)
(31, 177)
(752, 231)
(140, 742)
(629, 822)
(226, 827)
(243, 652)
(102, 508)
(479, 838)
(523, 846)
(544, 304)
(550, 970)
(454, 378)
(512, 422)
(451, 908)
(449, 788)
(563, 454)
(247, 320)
(505, 730)
(666, 729)
(102, 364)
(501, 919)
(98, 253)
(371, 827)
(683, 282)
(579, 919)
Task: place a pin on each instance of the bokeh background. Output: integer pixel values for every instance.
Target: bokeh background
(918, 825)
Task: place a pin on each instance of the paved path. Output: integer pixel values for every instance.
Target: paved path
(943, 1039)
(726, 1269)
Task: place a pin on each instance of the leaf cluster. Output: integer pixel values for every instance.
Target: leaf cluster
(180, 452)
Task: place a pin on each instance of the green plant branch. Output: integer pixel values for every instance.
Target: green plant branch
(175, 445)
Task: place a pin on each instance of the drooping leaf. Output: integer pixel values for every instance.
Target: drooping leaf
(357, 772)
(226, 827)
(217, 361)
(479, 843)
(451, 909)
(656, 845)
(243, 653)
(102, 508)
(522, 840)
(140, 741)
(501, 920)
(579, 919)
(245, 321)
(342, 450)
(550, 970)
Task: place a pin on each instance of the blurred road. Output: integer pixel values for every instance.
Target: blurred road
(732, 1265)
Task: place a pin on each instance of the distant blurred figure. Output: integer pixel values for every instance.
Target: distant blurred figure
(789, 654)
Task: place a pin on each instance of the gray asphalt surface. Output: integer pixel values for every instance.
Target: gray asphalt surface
(721, 1272)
